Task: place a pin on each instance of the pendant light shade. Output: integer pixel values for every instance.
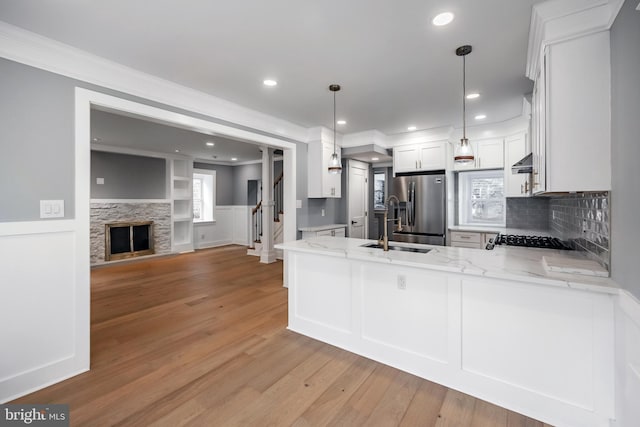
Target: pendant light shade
(463, 153)
(335, 166)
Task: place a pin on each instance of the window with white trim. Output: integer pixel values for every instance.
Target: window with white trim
(481, 198)
(204, 195)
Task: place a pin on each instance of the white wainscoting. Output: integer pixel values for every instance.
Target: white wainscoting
(231, 226)
(44, 311)
(627, 360)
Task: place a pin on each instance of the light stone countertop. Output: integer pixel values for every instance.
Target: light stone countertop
(510, 263)
(322, 227)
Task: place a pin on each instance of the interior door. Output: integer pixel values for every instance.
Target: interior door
(358, 185)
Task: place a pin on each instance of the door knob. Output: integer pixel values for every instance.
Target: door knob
(354, 222)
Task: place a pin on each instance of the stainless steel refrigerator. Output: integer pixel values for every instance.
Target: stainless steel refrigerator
(421, 210)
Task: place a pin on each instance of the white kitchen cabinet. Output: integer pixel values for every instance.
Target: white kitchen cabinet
(425, 156)
(488, 154)
(487, 336)
(333, 230)
(571, 116)
(516, 185)
(320, 183)
(471, 239)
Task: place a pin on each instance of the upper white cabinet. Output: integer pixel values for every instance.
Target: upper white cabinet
(515, 148)
(488, 153)
(320, 183)
(420, 157)
(571, 116)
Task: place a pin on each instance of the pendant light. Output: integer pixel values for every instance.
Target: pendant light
(463, 153)
(335, 167)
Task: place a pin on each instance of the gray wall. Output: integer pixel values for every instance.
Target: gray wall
(224, 182)
(241, 176)
(37, 129)
(625, 147)
(127, 177)
(37, 139)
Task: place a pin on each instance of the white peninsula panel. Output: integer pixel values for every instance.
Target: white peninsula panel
(404, 310)
(323, 305)
(540, 339)
(492, 324)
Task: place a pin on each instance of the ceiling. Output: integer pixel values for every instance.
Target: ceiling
(395, 67)
(116, 130)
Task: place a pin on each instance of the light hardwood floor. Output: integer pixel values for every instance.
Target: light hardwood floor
(200, 340)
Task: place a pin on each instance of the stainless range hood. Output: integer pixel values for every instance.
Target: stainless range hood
(523, 166)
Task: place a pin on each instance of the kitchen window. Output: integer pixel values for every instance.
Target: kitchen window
(204, 185)
(481, 198)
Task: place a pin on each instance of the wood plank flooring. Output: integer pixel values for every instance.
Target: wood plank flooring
(200, 340)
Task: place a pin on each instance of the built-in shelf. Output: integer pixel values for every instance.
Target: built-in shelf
(181, 204)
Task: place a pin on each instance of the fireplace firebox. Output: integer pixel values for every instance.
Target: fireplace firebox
(128, 239)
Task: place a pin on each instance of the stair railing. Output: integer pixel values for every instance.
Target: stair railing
(256, 212)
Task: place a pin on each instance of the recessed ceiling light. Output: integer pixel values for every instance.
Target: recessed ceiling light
(480, 117)
(341, 122)
(473, 96)
(210, 144)
(412, 128)
(442, 19)
(270, 82)
(233, 159)
(374, 159)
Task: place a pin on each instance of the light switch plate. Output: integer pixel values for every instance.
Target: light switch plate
(100, 181)
(51, 208)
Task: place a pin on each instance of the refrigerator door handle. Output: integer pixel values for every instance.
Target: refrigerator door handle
(412, 204)
(409, 213)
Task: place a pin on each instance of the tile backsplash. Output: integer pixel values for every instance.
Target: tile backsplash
(583, 220)
(530, 213)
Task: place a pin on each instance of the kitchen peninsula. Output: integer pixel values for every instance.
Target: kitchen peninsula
(494, 324)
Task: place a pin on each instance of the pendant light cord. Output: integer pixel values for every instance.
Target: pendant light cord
(464, 102)
(334, 122)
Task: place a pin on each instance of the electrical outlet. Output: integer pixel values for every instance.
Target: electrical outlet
(402, 282)
(322, 212)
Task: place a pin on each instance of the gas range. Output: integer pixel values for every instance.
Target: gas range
(528, 242)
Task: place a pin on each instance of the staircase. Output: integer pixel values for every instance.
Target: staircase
(255, 247)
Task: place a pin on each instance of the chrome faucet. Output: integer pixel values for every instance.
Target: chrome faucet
(385, 237)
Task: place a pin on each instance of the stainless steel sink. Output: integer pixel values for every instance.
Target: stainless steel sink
(396, 248)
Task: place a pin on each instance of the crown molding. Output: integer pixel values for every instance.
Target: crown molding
(25, 47)
(493, 130)
(560, 20)
(366, 137)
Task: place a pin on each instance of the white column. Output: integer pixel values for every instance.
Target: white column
(268, 254)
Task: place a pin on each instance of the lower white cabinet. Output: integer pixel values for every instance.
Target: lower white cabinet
(337, 231)
(470, 239)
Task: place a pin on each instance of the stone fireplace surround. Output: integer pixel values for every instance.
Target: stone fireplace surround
(102, 213)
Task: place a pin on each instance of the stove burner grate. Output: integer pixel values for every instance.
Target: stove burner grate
(529, 242)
